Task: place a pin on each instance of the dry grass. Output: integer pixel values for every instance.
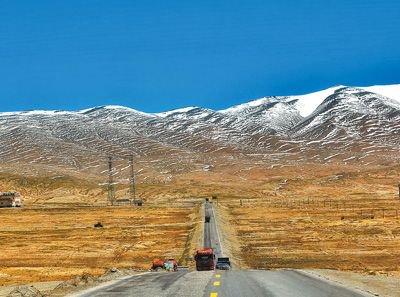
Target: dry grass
(58, 243)
(346, 221)
(319, 218)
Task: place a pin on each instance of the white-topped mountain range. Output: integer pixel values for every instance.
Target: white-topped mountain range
(339, 124)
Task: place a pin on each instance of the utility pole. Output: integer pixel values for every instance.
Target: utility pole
(111, 188)
(132, 189)
(399, 189)
(24, 181)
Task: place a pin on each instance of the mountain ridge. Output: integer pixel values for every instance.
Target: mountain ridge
(391, 91)
(348, 125)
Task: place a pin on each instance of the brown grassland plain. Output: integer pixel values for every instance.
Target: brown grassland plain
(45, 244)
(302, 216)
(343, 220)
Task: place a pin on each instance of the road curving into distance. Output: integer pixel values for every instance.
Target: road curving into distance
(233, 283)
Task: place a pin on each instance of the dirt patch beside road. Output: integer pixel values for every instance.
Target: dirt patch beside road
(380, 285)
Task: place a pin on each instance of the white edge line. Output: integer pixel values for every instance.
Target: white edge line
(216, 228)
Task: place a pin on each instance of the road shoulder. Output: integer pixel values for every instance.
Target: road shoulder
(229, 239)
(377, 285)
(103, 285)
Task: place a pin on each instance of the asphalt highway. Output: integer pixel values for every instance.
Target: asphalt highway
(211, 233)
(272, 283)
(233, 283)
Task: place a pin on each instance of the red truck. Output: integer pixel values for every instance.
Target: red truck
(205, 259)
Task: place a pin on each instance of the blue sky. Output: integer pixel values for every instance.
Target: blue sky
(159, 55)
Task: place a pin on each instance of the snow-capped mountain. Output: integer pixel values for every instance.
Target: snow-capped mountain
(304, 104)
(352, 113)
(336, 124)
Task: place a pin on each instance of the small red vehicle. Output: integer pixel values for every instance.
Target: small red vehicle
(157, 264)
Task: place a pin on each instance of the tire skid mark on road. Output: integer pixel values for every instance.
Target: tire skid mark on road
(172, 277)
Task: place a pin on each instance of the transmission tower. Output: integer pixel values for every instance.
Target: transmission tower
(132, 189)
(111, 187)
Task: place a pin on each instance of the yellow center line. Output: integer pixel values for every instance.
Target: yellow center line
(214, 294)
(216, 284)
(218, 275)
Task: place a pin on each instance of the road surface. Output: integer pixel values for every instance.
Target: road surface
(233, 283)
(211, 233)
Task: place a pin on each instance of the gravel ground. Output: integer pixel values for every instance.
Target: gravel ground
(379, 285)
(41, 286)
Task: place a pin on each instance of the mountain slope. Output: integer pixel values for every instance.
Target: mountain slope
(351, 112)
(338, 124)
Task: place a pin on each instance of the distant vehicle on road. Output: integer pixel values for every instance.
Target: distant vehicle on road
(205, 259)
(223, 263)
(207, 215)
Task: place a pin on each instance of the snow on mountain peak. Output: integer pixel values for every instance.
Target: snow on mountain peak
(389, 91)
(253, 103)
(307, 103)
(37, 112)
(179, 110)
(304, 105)
(113, 107)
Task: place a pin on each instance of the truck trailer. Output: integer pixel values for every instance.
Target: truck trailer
(205, 259)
